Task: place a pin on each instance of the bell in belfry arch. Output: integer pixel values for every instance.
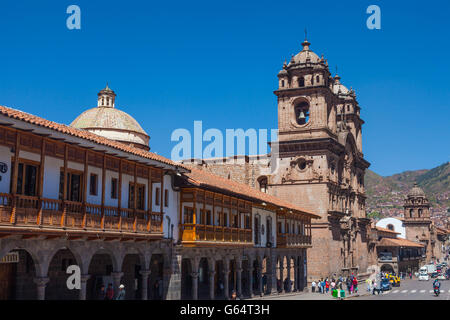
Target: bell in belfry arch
(301, 116)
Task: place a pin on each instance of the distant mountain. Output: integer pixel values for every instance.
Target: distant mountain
(385, 195)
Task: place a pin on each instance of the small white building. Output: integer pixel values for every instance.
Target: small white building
(393, 224)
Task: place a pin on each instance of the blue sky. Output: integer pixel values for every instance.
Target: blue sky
(171, 63)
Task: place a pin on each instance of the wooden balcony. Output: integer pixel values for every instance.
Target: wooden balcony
(196, 234)
(293, 241)
(52, 217)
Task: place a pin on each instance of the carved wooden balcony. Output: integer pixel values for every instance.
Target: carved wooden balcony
(193, 234)
(285, 240)
(57, 217)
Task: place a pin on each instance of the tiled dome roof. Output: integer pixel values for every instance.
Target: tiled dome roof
(416, 191)
(305, 56)
(106, 118)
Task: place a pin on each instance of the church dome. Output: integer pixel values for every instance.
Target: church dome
(305, 56)
(338, 87)
(109, 122)
(416, 191)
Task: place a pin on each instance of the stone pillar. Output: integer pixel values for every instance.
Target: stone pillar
(116, 282)
(194, 276)
(211, 284)
(250, 280)
(260, 282)
(84, 279)
(272, 281)
(288, 275)
(41, 283)
(239, 282)
(226, 290)
(281, 268)
(172, 272)
(296, 278)
(144, 283)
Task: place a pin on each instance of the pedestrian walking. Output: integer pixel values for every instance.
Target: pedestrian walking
(121, 294)
(368, 284)
(102, 293)
(349, 285)
(313, 286)
(327, 286)
(110, 292)
(355, 285)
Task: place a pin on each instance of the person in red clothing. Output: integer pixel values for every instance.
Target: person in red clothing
(110, 292)
(327, 285)
(355, 285)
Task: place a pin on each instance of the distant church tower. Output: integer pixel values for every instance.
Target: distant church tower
(417, 221)
(321, 165)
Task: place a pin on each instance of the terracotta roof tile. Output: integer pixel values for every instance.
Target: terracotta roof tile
(386, 230)
(386, 242)
(79, 133)
(203, 178)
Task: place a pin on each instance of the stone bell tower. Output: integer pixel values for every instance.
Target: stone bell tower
(320, 165)
(417, 221)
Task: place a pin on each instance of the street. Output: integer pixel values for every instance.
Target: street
(408, 290)
(412, 290)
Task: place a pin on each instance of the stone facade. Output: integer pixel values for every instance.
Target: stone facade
(317, 163)
(420, 228)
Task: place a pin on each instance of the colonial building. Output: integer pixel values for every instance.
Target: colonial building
(91, 195)
(396, 254)
(317, 163)
(421, 229)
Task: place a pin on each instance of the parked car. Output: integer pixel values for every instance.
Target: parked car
(394, 280)
(423, 274)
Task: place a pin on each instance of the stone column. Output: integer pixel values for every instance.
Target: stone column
(41, 283)
(194, 276)
(288, 275)
(250, 280)
(272, 278)
(260, 282)
(281, 276)
(239, 282)
(226, 290)
(144, 283)
(296, 278)
(84, 279)
(211, 284)
(116, 282)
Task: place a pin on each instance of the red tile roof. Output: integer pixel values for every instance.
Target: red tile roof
(203, 178)
(387, 242)
(386, 230)
(79, 133)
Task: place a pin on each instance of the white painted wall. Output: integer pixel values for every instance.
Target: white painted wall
(52, 170)
(263, 222)
(171, 212)
(396, 223)
(5, 157)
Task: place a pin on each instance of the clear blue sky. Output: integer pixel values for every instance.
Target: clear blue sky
(173, 62)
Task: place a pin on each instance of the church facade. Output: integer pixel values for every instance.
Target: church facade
(318, 162)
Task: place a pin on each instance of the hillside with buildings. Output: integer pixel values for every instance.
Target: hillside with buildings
(385, 195)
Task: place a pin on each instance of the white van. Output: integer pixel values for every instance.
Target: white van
(423, 274)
